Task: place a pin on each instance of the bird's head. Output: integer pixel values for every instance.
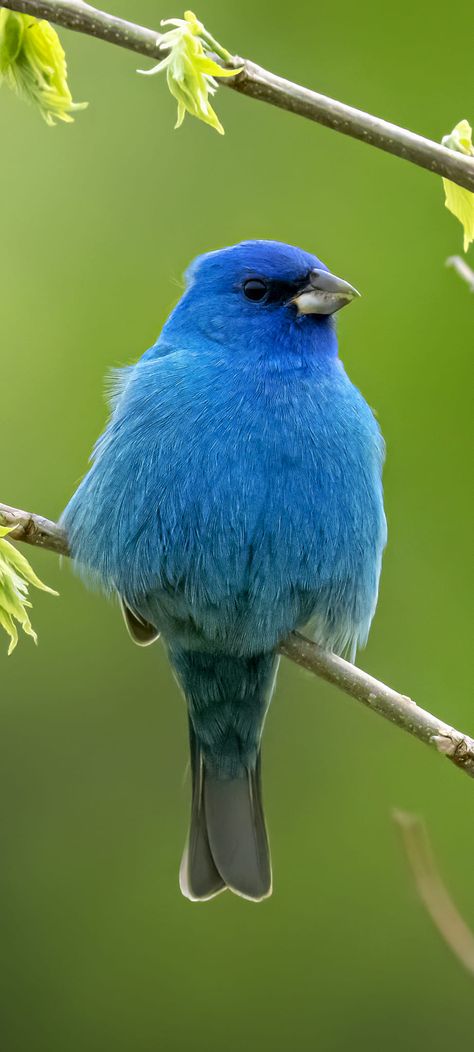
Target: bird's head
(259, 292)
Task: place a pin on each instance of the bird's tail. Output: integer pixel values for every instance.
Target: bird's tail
(227, 845)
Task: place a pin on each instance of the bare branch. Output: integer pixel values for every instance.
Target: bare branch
(463, 269)
(34, 529)
(432, 890)
(83, 18)
(397, 708)
(261, 84)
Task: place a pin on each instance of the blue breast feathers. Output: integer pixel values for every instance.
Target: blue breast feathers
(236, 494)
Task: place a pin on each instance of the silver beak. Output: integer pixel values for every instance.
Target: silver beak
(324, 294)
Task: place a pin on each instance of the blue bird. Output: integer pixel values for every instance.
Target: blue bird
(236, 495)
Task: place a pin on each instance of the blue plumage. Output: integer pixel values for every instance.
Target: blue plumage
(236, 495)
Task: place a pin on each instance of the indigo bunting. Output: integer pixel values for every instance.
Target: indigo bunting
(236, 495)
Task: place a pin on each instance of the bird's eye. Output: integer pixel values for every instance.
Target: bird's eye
(255, 289)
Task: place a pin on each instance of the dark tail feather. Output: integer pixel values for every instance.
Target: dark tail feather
(198, 877)
(227, 844)
(237, 833)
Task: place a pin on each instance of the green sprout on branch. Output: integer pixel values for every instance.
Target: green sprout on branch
(16, 575)
(190, 71)
(33, 64)
(458, 200)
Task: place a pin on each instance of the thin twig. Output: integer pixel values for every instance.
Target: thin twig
(261, 84)
(463, 269)
(397, 708)
(34, 529)
(432, 890)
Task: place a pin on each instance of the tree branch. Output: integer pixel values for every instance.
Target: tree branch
(34, 529)
(259, 83)
(397, 708)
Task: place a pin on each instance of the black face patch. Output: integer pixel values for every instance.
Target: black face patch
(272, 291)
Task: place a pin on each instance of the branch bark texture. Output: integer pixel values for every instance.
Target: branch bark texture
(395, 707)
(34, 529)
(259, 83)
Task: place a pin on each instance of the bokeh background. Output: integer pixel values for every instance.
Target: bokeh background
(98, 221)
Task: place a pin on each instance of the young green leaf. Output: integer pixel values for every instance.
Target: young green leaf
(16, 575)
(190, 71)
(458, 200)
(33, 64)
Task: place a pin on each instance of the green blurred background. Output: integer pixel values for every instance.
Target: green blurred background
(98, 221)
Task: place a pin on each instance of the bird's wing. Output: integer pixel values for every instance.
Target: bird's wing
(142, 632)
